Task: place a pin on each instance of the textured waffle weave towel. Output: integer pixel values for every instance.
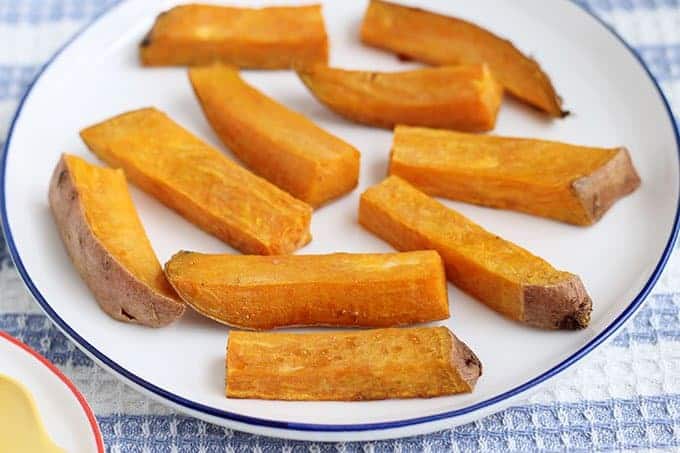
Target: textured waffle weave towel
(625, 396)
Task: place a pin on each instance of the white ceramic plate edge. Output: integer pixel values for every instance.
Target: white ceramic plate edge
(64, 381)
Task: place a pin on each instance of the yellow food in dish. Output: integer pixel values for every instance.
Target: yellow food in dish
(21, 428)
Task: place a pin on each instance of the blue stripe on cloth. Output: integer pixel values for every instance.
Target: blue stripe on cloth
(38, 11)
(601, 6)
(14, 80)
(643, 422)
(663, 61)
(657, 320)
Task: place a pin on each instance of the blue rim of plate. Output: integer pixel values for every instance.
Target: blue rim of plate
(207, 410)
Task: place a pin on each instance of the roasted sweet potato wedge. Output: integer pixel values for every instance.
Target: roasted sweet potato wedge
(350, 366)
(200, 183)
(574, 184)
(107, 243)
(499, 273)
(465, 97)
(266, 38)
(342, 289)
(441, 40)
(275, 142)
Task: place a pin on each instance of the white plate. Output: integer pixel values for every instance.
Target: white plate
(614, 100)
(68, 419)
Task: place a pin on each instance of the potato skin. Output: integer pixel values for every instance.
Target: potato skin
(119, 293)
(598, 191)
(570, 308)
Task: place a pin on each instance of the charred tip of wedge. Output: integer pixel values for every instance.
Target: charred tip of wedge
(599, 190)
(564, 305)
(466, 361)
(146, 42)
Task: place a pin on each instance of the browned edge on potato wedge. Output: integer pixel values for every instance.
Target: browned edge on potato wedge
(107, 243)
(504, 276)
(340, 289)
(465, 97)
(570, 183)
(260, 38)
(200, 183)
(442, 40)
(275, 142)
(350, 366)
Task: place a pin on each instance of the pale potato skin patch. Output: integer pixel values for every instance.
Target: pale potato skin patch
(120, 293)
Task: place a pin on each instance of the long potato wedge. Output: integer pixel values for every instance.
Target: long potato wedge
(504, 276)
(264, 38)
(108, 245)
(342, 289)
(465, 98)
(442, 40)
(275, 142)
(574, 184)
(200, 183)
(350, 366)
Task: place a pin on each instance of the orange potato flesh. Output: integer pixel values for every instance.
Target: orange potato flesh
(112, 216)
(200, 183)
(266, 38)
(108, 245)
(275, 142)
(574, 184)
(464, 98)
(349, 366)
(348, 290)
(442, 40)
(504, 276)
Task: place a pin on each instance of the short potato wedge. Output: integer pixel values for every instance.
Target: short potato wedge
(465, 98)
(341, 289)
(573, 184)
(441, 40)
(107, 244)
(497, 272)
(265, 38)
(275, 142)
(200, 183)
(350, 366)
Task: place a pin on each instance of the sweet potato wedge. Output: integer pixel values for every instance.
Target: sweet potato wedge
(504, 276)
(465, 98)
(442, 40)
(275, 142)
(342, 289)
(108, 246)
(574, 184)
(350, 366)
(200, 183)
(266, 38)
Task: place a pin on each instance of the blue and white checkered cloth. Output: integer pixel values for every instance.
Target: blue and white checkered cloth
(624, 396)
